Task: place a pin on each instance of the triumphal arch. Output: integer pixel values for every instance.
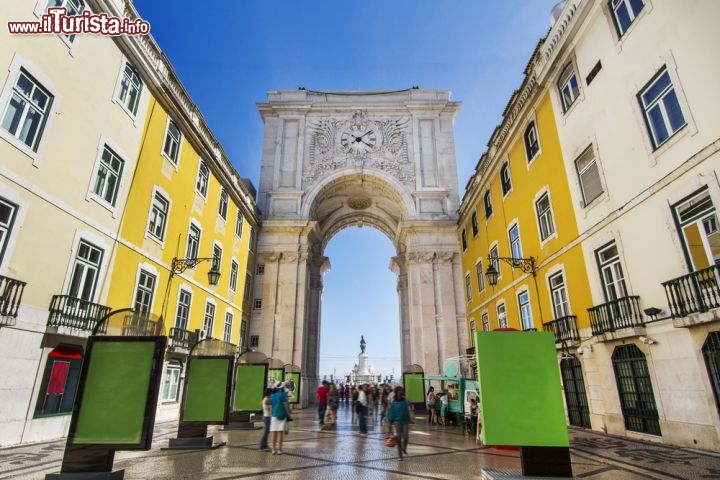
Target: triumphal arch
(333, 160)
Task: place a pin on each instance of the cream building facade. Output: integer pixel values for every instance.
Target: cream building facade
(638, 126)
(332, 160)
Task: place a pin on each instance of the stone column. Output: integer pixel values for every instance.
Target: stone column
(423, 311)
(316, 266)
(398, 264)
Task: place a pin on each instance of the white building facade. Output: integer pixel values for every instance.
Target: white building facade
(632, 86)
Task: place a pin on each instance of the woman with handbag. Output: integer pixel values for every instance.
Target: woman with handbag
(401, 415)
(280, 417)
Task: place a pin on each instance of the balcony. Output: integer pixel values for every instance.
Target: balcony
(11, 292)
(615, 315)
(67, 311)
(694, 293)
(564, 328)
(182, 339)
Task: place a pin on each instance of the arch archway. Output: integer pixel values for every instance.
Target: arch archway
(319, 177)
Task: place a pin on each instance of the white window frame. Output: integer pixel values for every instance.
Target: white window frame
(474, 224)
(495, 254)
(468, 287)
(198, 186)
(174, 161)
(505, 167)
(612, 273)
(257, 304)
(561, 306)
(171, 377)
(545, 219)
(472, 332)
(209, 315)
(223, 204)
(162, 193)
(106, 144)
(463, 239)
(614, 5)
(564, 82)
(178, 306)
(531, 127)
(93, 241)
(146, 270)
(193, 225)
(260, 269)
(525, 310)
(8, 229)
(17, 65)
(41, 8)
(485, 317)
(234, 271)
(239, 220)
(251, 245)
(487, 204)
(227, 326)
(594, 162)
(501, 311)
(247, 287)
(659, 104)
(480, 275)
(217, 248)
(119, 89)
(516, 251)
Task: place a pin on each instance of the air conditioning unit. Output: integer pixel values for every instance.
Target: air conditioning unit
(202, 334)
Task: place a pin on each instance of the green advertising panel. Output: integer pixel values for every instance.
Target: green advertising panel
(520, 391)
(249, 387)
(115, 395)
(414, 387)
(207, 388)
(293, 394)
(277, 374)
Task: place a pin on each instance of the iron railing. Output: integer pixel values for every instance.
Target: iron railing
(67, 311)
(616, 314)
(564, 328)
(180, 338)
(11, 292)
(695, 292)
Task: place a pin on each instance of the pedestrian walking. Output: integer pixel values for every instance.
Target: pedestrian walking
(362, 408)
(401, 415)
(333, 402)
(280, 417)
(430, 404)
(322, 392)
(267, 415)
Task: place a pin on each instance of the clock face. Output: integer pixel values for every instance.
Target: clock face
(358, 140)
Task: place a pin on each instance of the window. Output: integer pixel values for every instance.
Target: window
(223, 207)
(711, 352)
(171, 382)
(502, 315)
(239, 224)
(27, 111)
(243, 335)
(72, 7)
(463, 237)
(183, 310)
(697, 219)
(625, 12)
(486, 322)
(252, 240)
(611, 271)
(158, 216)
(209, 319)
(107, 178)
(559, 295)
(487, 200)
(515, 247)
(474, 224)
(468, 287)
(472, 332)
(589, 176)
(60, 381)
(171, 148)
(227, 330)
(495, 263)
(257, 304)
(525, 311)
(130, 89)
(480, 275)
(233, 275)
(532, 144)
(254, 341)
(193, 241)
(144, 292)
(260, 269)
(248, 286)
(203, 179)
(505, 181)
(85, 271)
(662, 108)
(568, 87)
(544, 216)
(8, 213)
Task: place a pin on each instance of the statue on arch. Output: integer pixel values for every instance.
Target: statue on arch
(362, 344)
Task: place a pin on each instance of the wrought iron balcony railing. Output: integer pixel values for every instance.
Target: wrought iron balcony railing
(695, 292)
(67, 311)
(616, 314)
(564, 328)
(11, 292)
(180, 338)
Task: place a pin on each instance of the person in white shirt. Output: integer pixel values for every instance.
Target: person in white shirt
(362, 408)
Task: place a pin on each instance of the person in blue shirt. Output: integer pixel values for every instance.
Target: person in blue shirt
(401, 415)
(280, 417)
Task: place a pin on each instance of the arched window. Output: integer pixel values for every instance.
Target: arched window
(711, 352)
(575, 397)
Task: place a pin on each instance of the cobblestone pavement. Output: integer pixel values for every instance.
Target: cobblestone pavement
(311, 453)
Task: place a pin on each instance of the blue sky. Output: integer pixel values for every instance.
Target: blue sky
(229, 53)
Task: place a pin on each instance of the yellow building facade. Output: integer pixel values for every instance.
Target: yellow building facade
(517, 209)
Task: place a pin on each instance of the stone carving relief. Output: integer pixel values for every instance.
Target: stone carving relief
(380, 144)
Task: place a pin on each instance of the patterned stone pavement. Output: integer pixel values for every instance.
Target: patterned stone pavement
(311, 453)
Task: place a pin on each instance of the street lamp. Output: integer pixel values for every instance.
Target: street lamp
(179, 265)
(527, 265)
